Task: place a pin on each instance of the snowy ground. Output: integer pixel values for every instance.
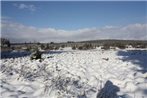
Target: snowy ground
(76, 74)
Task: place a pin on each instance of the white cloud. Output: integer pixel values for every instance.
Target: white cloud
(110, 27)
(20, 33)
(29, 7)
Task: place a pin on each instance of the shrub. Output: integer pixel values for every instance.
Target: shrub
(62, 46)
(57, 48)
(143, 46)
(80, 47)
(51, 48)
(51, 42)
(105, 47)
(140, 46)
(121, 46)
(28, 48)
(36, 55)
(5, 42)
(42, 46)
(48, 47)
(74, 48)
(86, 47)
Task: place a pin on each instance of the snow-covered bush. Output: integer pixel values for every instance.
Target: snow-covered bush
(5, 42)
(36, 55)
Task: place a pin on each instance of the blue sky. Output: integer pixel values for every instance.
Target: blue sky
(76, 15)
(72, 16)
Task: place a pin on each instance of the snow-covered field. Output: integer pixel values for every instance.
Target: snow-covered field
(76, 74)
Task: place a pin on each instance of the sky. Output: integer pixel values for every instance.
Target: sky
(46, 21)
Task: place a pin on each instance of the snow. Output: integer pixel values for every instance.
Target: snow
(76, 74)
